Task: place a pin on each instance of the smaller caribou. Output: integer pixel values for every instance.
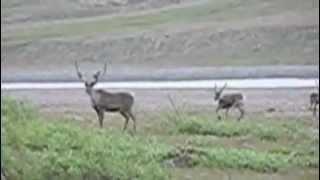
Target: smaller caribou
(103, 101)
(314, 103)
(228, 101)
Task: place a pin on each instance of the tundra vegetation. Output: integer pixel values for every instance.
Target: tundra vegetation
(166, 144)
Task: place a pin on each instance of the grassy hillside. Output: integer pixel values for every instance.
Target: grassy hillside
(22, 11)
(208, 33)
(214, 11)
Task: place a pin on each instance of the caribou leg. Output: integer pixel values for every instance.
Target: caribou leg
(217, 112)
(100, 114)
(134, 120)
(239, 106)
(125, 115)
(227, 113)
(315, 111)
(311, 107)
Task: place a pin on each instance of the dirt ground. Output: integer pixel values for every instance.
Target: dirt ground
(284, 102)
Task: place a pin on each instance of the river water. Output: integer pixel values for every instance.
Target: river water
(196, 84)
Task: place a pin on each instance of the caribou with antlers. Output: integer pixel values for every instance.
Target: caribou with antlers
(228, 101)
(104, 101)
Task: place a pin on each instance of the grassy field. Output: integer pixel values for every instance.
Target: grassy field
(167, 146)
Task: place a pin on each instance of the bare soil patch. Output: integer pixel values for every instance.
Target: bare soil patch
(289, 102)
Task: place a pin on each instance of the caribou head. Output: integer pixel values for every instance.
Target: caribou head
(217, 93)
(91, 81)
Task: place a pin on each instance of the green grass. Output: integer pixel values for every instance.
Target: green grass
(32, 146)
(208, 11)
(243, 159)
(262, 129)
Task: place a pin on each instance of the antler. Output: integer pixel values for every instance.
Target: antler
(78, 71)
(97, 75)
(104, 69)
(225, 85)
